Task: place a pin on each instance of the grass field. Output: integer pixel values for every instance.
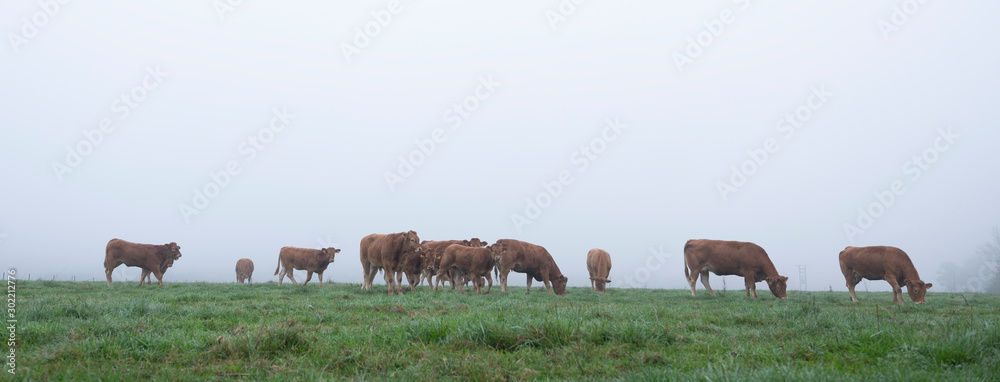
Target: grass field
(200, 331)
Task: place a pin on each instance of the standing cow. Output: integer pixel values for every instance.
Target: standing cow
(883, 263)
(433, 250)
(153, 259)
(474, 262)
(385, 252)
(732, 258)
(244, 271)
(599, 267)
(310, 260)
(534, 261)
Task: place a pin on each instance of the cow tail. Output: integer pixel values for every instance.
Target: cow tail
(687, 274)
(279, 265)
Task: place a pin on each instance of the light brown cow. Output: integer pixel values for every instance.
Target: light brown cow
(534, 261)
(599, 267)
(244, 271)
(474, 262)
(883, 263)
(384, 252)
(732, 258)
(153, 259)
(307, 259)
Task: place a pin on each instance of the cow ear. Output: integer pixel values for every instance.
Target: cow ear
(784, 278)
(928, 286)
(336, 251)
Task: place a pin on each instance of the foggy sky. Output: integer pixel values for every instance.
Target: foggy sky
(631, 127)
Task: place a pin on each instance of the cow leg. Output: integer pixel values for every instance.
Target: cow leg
(896, 289)
(159, 277)
(489, 279)
(751, 286)
(504, 272)
(399, 282)
(290, 272)
(309, 276)
(388, 276)
(107, 272)
(545, 280)
(852, 280)
(145, 273)
(320, 274)
(692, 280)
(529, 284)
(704, 281)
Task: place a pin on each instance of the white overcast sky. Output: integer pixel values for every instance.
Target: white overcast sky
(894, 78)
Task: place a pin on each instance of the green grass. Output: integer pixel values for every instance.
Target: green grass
(199, 331)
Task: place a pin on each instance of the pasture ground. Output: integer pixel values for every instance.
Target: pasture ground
(204, 331)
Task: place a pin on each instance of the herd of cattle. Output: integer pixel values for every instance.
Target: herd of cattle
(459, 262)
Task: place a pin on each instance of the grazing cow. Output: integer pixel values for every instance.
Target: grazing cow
(412, 264)
(384, 252)
(309, 260)
(599, 266)
(534, 261)
(475, 262)
(151, 258)
(883, 263)
(732, 258)
(244, 271)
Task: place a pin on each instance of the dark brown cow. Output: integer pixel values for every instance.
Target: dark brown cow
(244, 271)
(151, 258)
(883, 263)
(599, 267)
(732, 258)
(384, 252)
(534, 261)
(307, 259)
(475, 262)
(412, 264)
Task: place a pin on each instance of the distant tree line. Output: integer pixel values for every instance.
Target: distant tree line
(977, 273)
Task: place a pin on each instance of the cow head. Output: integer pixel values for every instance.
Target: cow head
(917, 290)
(778, 284)
(475, 242)
(330, 253)
(600, 282)
(174, 250)
(411, 243)
(559, 285)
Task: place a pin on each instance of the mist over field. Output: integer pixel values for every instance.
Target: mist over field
(236, 128)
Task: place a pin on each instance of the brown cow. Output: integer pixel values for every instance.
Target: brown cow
(732, 258)
(433, 250)
(309, 260)
(599, 266)
(475, 262)
(384, 252)
(163, 269)
(244, 271)
(151, 258)
(534, 261)
(883, 263)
